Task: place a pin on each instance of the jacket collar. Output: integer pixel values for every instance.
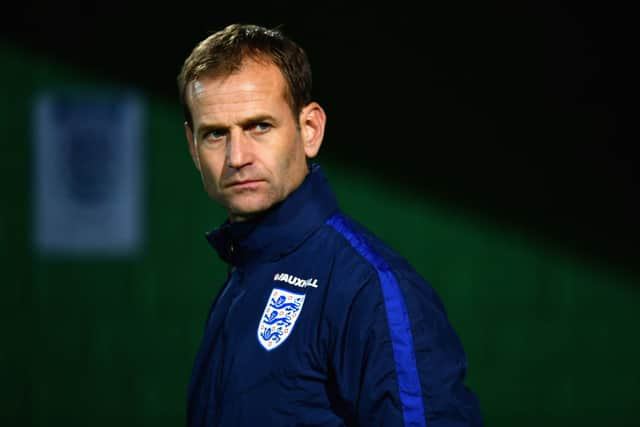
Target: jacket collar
(280, 229)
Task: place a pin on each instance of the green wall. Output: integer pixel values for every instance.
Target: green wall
(551, 338)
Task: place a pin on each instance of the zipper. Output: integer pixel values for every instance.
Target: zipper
(232, 253)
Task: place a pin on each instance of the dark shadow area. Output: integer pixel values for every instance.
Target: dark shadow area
(525, 114)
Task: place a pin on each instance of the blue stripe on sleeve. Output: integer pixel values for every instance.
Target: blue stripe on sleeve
(399, 326)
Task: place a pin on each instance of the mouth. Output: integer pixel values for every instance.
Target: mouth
(241, 184)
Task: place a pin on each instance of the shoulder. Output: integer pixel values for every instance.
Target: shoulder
(358, 243)
(362, 259)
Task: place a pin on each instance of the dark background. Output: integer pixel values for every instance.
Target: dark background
(532, 106)
(491, 144)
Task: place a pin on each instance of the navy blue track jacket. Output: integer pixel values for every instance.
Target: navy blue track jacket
(321, 324)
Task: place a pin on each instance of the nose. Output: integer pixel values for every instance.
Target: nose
(239, 151)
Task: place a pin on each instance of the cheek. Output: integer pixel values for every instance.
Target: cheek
(210, 167)
(296, 157)
(292, 166)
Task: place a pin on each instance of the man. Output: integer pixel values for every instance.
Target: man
(319, 323)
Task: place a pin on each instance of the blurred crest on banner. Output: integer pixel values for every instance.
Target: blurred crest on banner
(88, 154)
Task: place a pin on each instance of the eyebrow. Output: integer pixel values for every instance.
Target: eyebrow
(249, 121)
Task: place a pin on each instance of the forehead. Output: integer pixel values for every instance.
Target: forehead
(254, 84)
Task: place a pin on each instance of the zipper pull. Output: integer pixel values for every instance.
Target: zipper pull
(232, 250)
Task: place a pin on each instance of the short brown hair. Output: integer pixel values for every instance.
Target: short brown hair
(222, 53)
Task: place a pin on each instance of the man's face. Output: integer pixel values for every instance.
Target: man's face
(245, 140)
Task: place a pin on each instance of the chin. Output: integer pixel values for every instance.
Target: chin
(249, 210)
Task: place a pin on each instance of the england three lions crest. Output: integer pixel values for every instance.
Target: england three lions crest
(280, 315)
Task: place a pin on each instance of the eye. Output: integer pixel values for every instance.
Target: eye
(262, 127)
(214, 135)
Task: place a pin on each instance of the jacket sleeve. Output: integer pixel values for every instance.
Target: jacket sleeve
(398, 361)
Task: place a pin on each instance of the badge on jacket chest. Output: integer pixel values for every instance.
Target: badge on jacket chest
(280, 315)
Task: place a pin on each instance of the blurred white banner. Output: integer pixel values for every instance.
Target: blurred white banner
(88, 149)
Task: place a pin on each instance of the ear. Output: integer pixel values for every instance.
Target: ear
(312, 122)
(192, 145)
